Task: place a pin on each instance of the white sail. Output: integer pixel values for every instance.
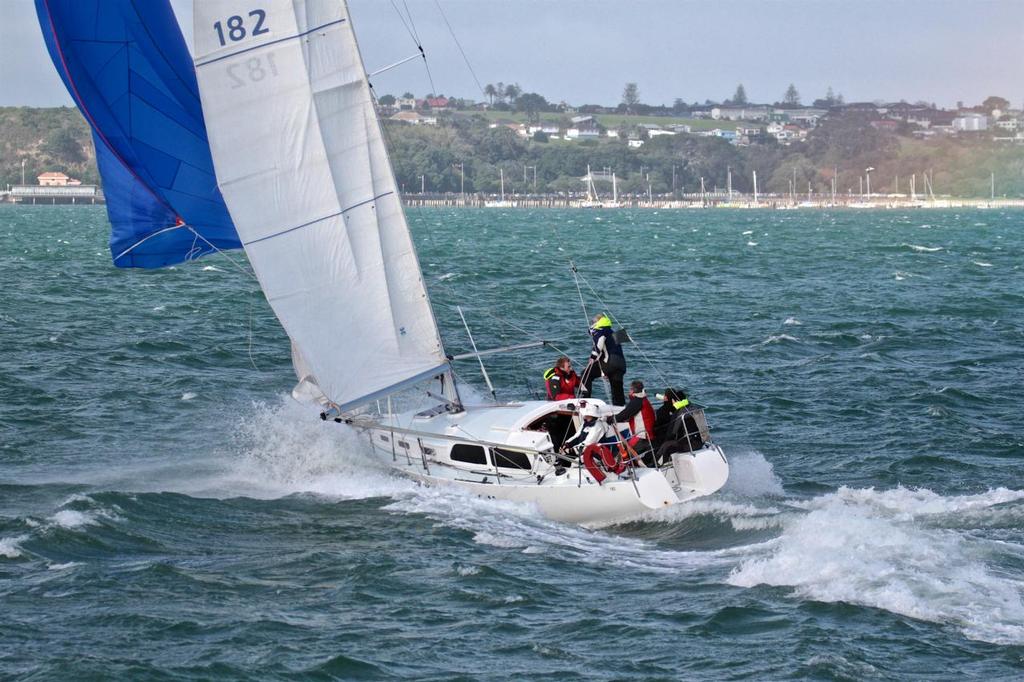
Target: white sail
(302, 166)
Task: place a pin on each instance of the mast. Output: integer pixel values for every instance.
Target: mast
(615, 189)
(755, 187)
(502, 172)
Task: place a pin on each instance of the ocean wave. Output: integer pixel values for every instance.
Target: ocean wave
(10, 548)
(923, 249)
(869, 547)
(779, 338)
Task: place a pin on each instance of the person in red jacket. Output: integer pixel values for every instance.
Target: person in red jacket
(639, 413)
(561, 381)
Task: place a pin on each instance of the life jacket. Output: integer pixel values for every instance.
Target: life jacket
(685, 429)
(611, 346)
(641, 425)
(559, 385)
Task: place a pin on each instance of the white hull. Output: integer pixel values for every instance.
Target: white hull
(423, 448)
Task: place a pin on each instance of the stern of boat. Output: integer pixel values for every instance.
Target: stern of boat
(702, 472)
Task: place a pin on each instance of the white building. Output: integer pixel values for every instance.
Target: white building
(739, 113)
(970, 122)
(414, 118)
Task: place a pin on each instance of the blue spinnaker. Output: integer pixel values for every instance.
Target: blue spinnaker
(128, 69)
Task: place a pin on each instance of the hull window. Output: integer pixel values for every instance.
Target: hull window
(510, 459)
(470, 454)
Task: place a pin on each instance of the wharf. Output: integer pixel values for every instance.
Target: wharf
(719, 200)
(40, 194)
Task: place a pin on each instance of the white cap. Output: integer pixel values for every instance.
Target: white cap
(590, 410)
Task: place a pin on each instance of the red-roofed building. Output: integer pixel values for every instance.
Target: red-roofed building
(56, 179)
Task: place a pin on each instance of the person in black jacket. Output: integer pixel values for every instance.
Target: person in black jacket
(606, 359)
(679, 430)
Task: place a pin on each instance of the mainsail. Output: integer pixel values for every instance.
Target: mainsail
(303, 168)
(128, 69)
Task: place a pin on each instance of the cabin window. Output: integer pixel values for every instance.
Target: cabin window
(429, 451)
(510, 459)
(403, 444)
(470, 454)
(384, 438)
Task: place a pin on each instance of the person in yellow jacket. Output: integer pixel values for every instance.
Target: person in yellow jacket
(606, 359)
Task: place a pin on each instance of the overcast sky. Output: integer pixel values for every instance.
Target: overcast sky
(584, 51)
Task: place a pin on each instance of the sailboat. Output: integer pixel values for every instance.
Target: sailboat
(280, 107)
(614, 203)
(500, 203)
(592, 200)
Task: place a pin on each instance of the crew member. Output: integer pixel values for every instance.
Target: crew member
(682, 432)
(606, 359)
(594, 430)
(561, 381)
(640, 415)
(673, 400)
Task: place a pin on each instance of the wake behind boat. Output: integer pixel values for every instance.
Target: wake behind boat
(285, 157)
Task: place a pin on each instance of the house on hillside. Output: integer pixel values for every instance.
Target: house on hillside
(437, 102)
(405, 103)
(971, 122)
(56, 179)
(1007, 122)
(751, 113)
(886, 124)
(414, 118)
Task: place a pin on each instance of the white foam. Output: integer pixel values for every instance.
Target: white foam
(210, 268)
(792, 321)
(982, 264)
(509, 525)
(778, 338)
(63, 567)
(188, 395)
(747, 232)
(286, 449)
(10, 547)
(751, 243)
(447, 276)
(923, 249)
(869, 547)
(751, 475)
(71, 518)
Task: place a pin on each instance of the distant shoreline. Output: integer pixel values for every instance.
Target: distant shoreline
(738, 203)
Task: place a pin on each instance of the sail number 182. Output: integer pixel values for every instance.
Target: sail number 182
(233, 28)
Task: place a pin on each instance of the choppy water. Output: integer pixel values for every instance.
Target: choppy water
(167, 513)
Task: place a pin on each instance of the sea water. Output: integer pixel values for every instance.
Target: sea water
(168, 512)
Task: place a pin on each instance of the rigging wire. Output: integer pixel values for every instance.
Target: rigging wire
(459, 45)
(410, 26)
(621, 323)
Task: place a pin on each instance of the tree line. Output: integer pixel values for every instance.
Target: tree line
(465, 152)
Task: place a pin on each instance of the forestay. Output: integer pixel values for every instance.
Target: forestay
(304, 171)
